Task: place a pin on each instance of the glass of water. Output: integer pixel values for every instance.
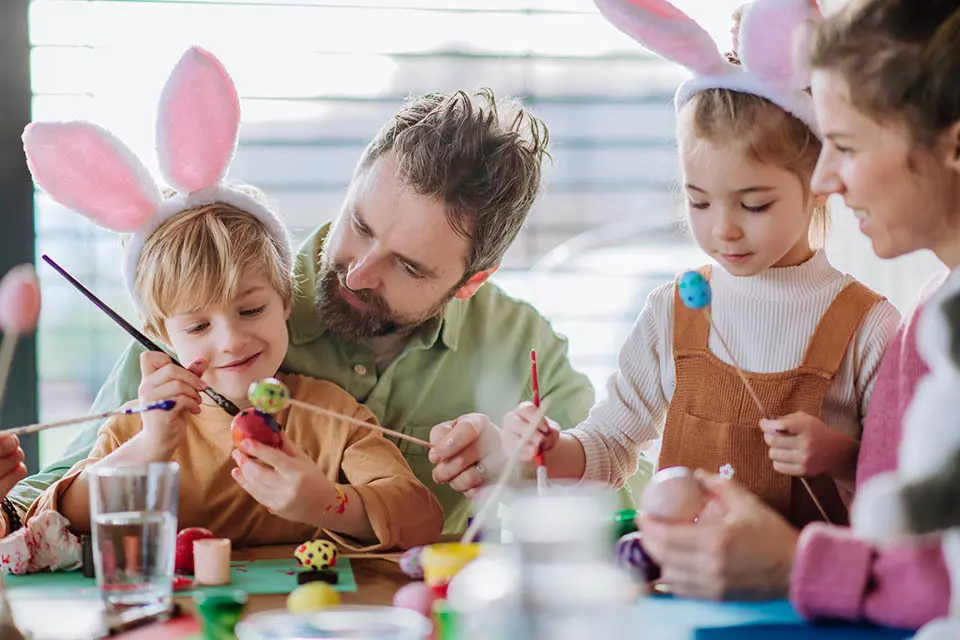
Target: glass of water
(133, 511)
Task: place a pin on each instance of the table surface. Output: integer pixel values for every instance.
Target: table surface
(379, 577)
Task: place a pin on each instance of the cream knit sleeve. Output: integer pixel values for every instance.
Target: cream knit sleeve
(633, 414)
(876, 331)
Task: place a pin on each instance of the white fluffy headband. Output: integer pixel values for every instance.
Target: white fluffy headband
(87, 169)
(769, 65)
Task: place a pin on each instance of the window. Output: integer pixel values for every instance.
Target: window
(317, 79)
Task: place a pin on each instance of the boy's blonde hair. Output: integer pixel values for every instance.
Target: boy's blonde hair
(765, 132)
(197, 258)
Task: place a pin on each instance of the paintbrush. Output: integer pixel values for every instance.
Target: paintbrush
(221, 401)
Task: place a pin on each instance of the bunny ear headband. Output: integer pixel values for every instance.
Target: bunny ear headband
(87, 169)
(770, 66)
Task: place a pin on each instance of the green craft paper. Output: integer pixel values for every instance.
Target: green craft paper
(253, 576)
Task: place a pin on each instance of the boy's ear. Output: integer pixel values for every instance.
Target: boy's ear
(952, 146)
(471, 286)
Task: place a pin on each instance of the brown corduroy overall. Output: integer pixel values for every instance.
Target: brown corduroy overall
(712, 420)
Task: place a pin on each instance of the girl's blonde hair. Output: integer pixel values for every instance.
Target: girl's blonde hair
(198, 258)
(767, 133)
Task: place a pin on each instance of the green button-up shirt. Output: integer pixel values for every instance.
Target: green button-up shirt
(474, 358)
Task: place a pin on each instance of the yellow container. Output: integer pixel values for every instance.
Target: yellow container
(444, 560)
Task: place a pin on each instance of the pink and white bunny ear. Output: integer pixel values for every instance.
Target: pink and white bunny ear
(667, 31)
(198, 122)
(769, 48)
(87, 169)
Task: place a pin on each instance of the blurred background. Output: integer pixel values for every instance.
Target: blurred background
(317, 78)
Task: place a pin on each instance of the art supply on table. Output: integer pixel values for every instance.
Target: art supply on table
(557, 580)
(494, 495)
(19, 312)
(86, 545)
(256, 577)
(542, 479)
(442, 561)
(211, 561)
(320, 575)
(345, 621)
(8, 625)
(223, 402)
(133, 513)
(162, 405)
(696, 293)
(314, 596)
(220, 613)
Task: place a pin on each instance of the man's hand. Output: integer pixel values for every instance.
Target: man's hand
(467, 452)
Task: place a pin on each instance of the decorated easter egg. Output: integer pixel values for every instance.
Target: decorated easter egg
(256, 425)
(316, 554)
(410, 563)
(268, 395)
(673, 494)
(19, 300)
(694, 290)
(624, 522)
(313, 596)
(415, 596)
(631, 555)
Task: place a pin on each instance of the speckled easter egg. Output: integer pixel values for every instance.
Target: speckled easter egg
(415, 596)
(268, 395)
(631, 554)
(673, 494)
(316, 554)
(312, 597)
(694, 290)
(410, 563)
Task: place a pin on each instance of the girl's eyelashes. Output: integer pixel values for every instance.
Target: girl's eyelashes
(758, 209)
(698, 205)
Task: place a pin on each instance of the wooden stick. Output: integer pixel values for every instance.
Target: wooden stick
(359, 423)
(7, 348)
(508, 468)
(163, 405)
(756, 400)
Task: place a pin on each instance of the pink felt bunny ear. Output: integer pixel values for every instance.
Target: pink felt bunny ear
(87, 169)
(769, 47)
(197, 123)
(19, 300)
(667, 31)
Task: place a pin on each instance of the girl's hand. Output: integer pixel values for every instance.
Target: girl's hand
(519, 422)
(801, 445)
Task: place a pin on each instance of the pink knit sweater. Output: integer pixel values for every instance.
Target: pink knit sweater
(835, 575)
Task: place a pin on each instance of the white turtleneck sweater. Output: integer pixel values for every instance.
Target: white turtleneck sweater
(767, 320)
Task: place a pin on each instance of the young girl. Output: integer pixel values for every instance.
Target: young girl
(209, 269)
(808, 337)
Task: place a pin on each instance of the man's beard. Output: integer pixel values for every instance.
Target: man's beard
(375, 321)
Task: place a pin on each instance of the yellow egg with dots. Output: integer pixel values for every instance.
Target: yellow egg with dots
(312, 596)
